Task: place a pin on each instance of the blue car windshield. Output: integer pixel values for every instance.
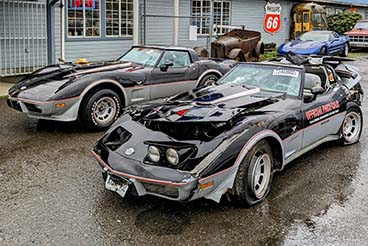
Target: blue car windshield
(143, 56)
(267, 77)
(315, 36)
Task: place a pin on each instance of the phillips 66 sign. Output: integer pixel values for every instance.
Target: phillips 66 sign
(272, 21)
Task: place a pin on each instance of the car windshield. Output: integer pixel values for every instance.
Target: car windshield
(361, 25)
(319, 18)
(267, 77)
(143, 56)
(315, 36)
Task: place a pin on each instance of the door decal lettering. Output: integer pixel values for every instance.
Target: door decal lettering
(322, 112)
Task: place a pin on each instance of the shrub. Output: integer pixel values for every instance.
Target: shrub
(343, 21)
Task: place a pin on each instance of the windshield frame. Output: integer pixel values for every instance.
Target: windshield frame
(301, 69)
(361, 22)
(314, 40)
(145, 65)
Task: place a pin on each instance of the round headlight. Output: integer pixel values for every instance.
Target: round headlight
(172, 156)
(153, 153)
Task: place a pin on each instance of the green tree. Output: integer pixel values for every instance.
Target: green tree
(343, 21)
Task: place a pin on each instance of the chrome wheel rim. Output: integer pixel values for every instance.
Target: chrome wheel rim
(104, 110)
(261, 175)
(351, 127)
(210, 80)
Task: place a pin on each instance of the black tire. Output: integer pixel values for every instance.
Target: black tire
(323, 51)
(89, 115)
(243, 193)
(352, 126)
(345, 51)
(208, 79)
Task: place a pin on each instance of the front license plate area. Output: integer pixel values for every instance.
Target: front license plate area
(118, 185)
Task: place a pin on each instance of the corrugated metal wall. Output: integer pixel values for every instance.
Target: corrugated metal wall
(23, 37)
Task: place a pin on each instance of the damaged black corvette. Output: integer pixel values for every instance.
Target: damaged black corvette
(230, 138)
(96, 93)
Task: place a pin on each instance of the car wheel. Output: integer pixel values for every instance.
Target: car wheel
(352, 126)
(345, 52)
(323, 51)
(100, 109)
(208, 80)
(254, 177)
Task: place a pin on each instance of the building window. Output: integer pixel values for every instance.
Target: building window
(201, 12)
(119, 18)
(338, 11)
(330, 11)
(84, 18)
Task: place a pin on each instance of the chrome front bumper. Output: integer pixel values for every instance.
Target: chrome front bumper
(67, 110)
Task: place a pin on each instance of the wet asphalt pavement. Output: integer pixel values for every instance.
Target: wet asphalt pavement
(52, 193)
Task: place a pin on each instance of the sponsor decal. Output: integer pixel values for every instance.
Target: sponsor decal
(78, 4)
(285, 72)
(322, 112)
(272, 20)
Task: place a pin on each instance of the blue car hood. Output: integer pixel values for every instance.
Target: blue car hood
(299, 46)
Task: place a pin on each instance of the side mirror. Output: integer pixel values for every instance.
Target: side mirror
(166, 65)
(317, 90)
(310, 95)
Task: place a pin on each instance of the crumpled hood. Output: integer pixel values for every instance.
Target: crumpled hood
(213, 104)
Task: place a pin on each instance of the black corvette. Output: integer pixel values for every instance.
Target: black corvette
(231, 137)
(97, 92)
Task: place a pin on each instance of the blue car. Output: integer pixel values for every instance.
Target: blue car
(317, 43)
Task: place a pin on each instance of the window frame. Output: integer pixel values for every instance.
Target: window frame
(201, 17)
(84, 36)
(120, 20)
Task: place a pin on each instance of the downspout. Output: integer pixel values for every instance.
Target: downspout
(144, 21)
(135, 22)
(212, 13)
(62, 32)
(176, 23)
(50, 15)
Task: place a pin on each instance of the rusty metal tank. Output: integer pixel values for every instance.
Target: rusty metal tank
(238, 44)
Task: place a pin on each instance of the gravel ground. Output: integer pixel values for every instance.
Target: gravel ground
(52, 193)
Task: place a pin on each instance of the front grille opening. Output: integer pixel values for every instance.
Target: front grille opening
(15, 105)
(32, 108)
(165, 190)
(116, 138)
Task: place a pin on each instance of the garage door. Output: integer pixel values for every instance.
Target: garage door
(23, 36)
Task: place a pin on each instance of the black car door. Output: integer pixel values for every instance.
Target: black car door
(175, 73)
(323, 115)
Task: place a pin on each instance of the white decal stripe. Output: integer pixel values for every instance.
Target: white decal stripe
(240, 94)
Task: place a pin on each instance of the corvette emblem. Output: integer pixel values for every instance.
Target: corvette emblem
(129, 151)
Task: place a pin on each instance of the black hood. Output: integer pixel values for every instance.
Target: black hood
(204, 114)
(52, 79)
(213, 104)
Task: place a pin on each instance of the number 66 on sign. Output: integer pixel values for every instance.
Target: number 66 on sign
(272, 21)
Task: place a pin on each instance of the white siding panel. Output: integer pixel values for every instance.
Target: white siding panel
(96, 50)
(159, 30)
(184, 23)
(250, 13)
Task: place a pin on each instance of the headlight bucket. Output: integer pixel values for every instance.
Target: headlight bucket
(154, 153)
(172, 156)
